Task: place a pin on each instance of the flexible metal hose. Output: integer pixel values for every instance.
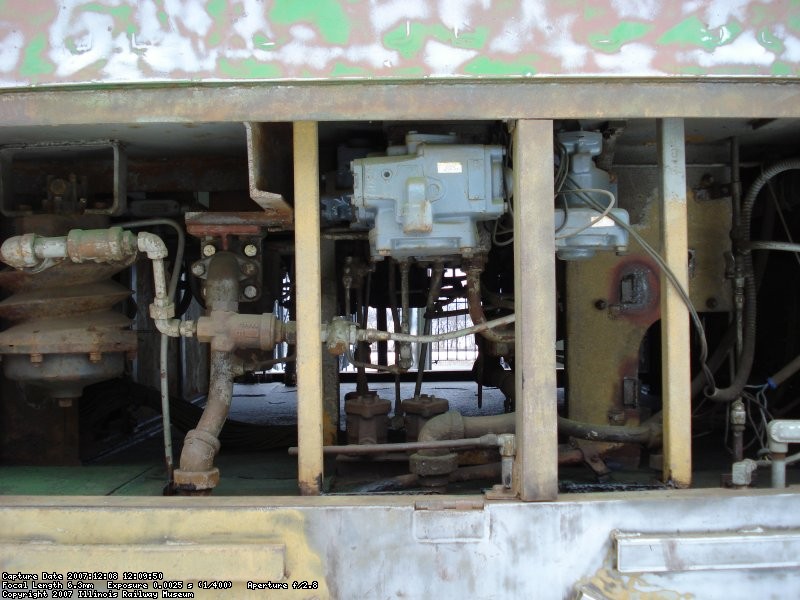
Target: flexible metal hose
(736, 386)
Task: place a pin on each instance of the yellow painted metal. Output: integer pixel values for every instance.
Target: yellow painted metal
(536, 472)
(177, 561)
(675, 342)
(308, 302)
(602, 347)
(186, 539)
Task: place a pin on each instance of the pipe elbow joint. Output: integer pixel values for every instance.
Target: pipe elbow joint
(197, 472)
(447, 426)
(152, 245)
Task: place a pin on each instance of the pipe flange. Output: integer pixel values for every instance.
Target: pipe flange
(196, 481)
(427, 465)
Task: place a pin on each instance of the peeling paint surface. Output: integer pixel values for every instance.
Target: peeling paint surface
(151, 41)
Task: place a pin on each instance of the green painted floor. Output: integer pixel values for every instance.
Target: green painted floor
(245, 474)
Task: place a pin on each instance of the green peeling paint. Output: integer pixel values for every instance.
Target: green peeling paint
(483, 65)
(471, 39)
(781, 69)
(625, 32)
(409, 39)
(216, 9)
(262, 42)
(122, 15)
(34, 61)
(408, 73)
(593, 12)
(770, 41)
(327, 15)
(249, 69)
(406, 39)
(794, 21)
(692, 32)
(341, 69)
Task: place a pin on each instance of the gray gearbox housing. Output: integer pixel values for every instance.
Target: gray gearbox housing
(424, 199)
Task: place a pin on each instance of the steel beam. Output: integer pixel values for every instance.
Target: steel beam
(675, 342)
(536, 472)
(564, 99)
(308, 288)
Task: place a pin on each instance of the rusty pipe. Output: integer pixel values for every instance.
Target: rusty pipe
(567, 455)
(474, 271)
(197, 473)
(452, 426)
(649, 434)
(31, 251)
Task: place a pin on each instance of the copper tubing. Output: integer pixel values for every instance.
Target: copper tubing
(474, 270)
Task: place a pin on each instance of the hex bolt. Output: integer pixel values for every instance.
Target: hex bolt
(250, 292)
(250, 250)
(209, 250)
(248, 269)
(36, 359)
(95, 357)
(198, 269)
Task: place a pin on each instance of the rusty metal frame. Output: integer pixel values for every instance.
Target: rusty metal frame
(308, 286)
(536, 476)
(631, 98)
(675, 343)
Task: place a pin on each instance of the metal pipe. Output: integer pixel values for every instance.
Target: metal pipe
(398, 405)
(567, 455)
(166, 421)
(452, 426)
(197, 472)
(436, 286)
(780, 434)
(374, 335)
(405, 347)
(484, 441)
(474, 270)
(743, 239)
(769, 245)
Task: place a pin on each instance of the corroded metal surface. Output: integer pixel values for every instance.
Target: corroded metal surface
(564, 99)
(535, 550)
(124, 41)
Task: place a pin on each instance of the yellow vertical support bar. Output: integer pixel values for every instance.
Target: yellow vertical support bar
(536, 473)
(308, 289)
(675, 342)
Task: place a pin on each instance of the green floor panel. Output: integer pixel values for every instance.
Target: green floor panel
(68, 481)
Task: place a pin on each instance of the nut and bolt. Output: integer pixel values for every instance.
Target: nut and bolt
(209, 250)
(250, 292)
(36, 359)
(250, 250)
(95, 357)
(248, 269)
(198, 269)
